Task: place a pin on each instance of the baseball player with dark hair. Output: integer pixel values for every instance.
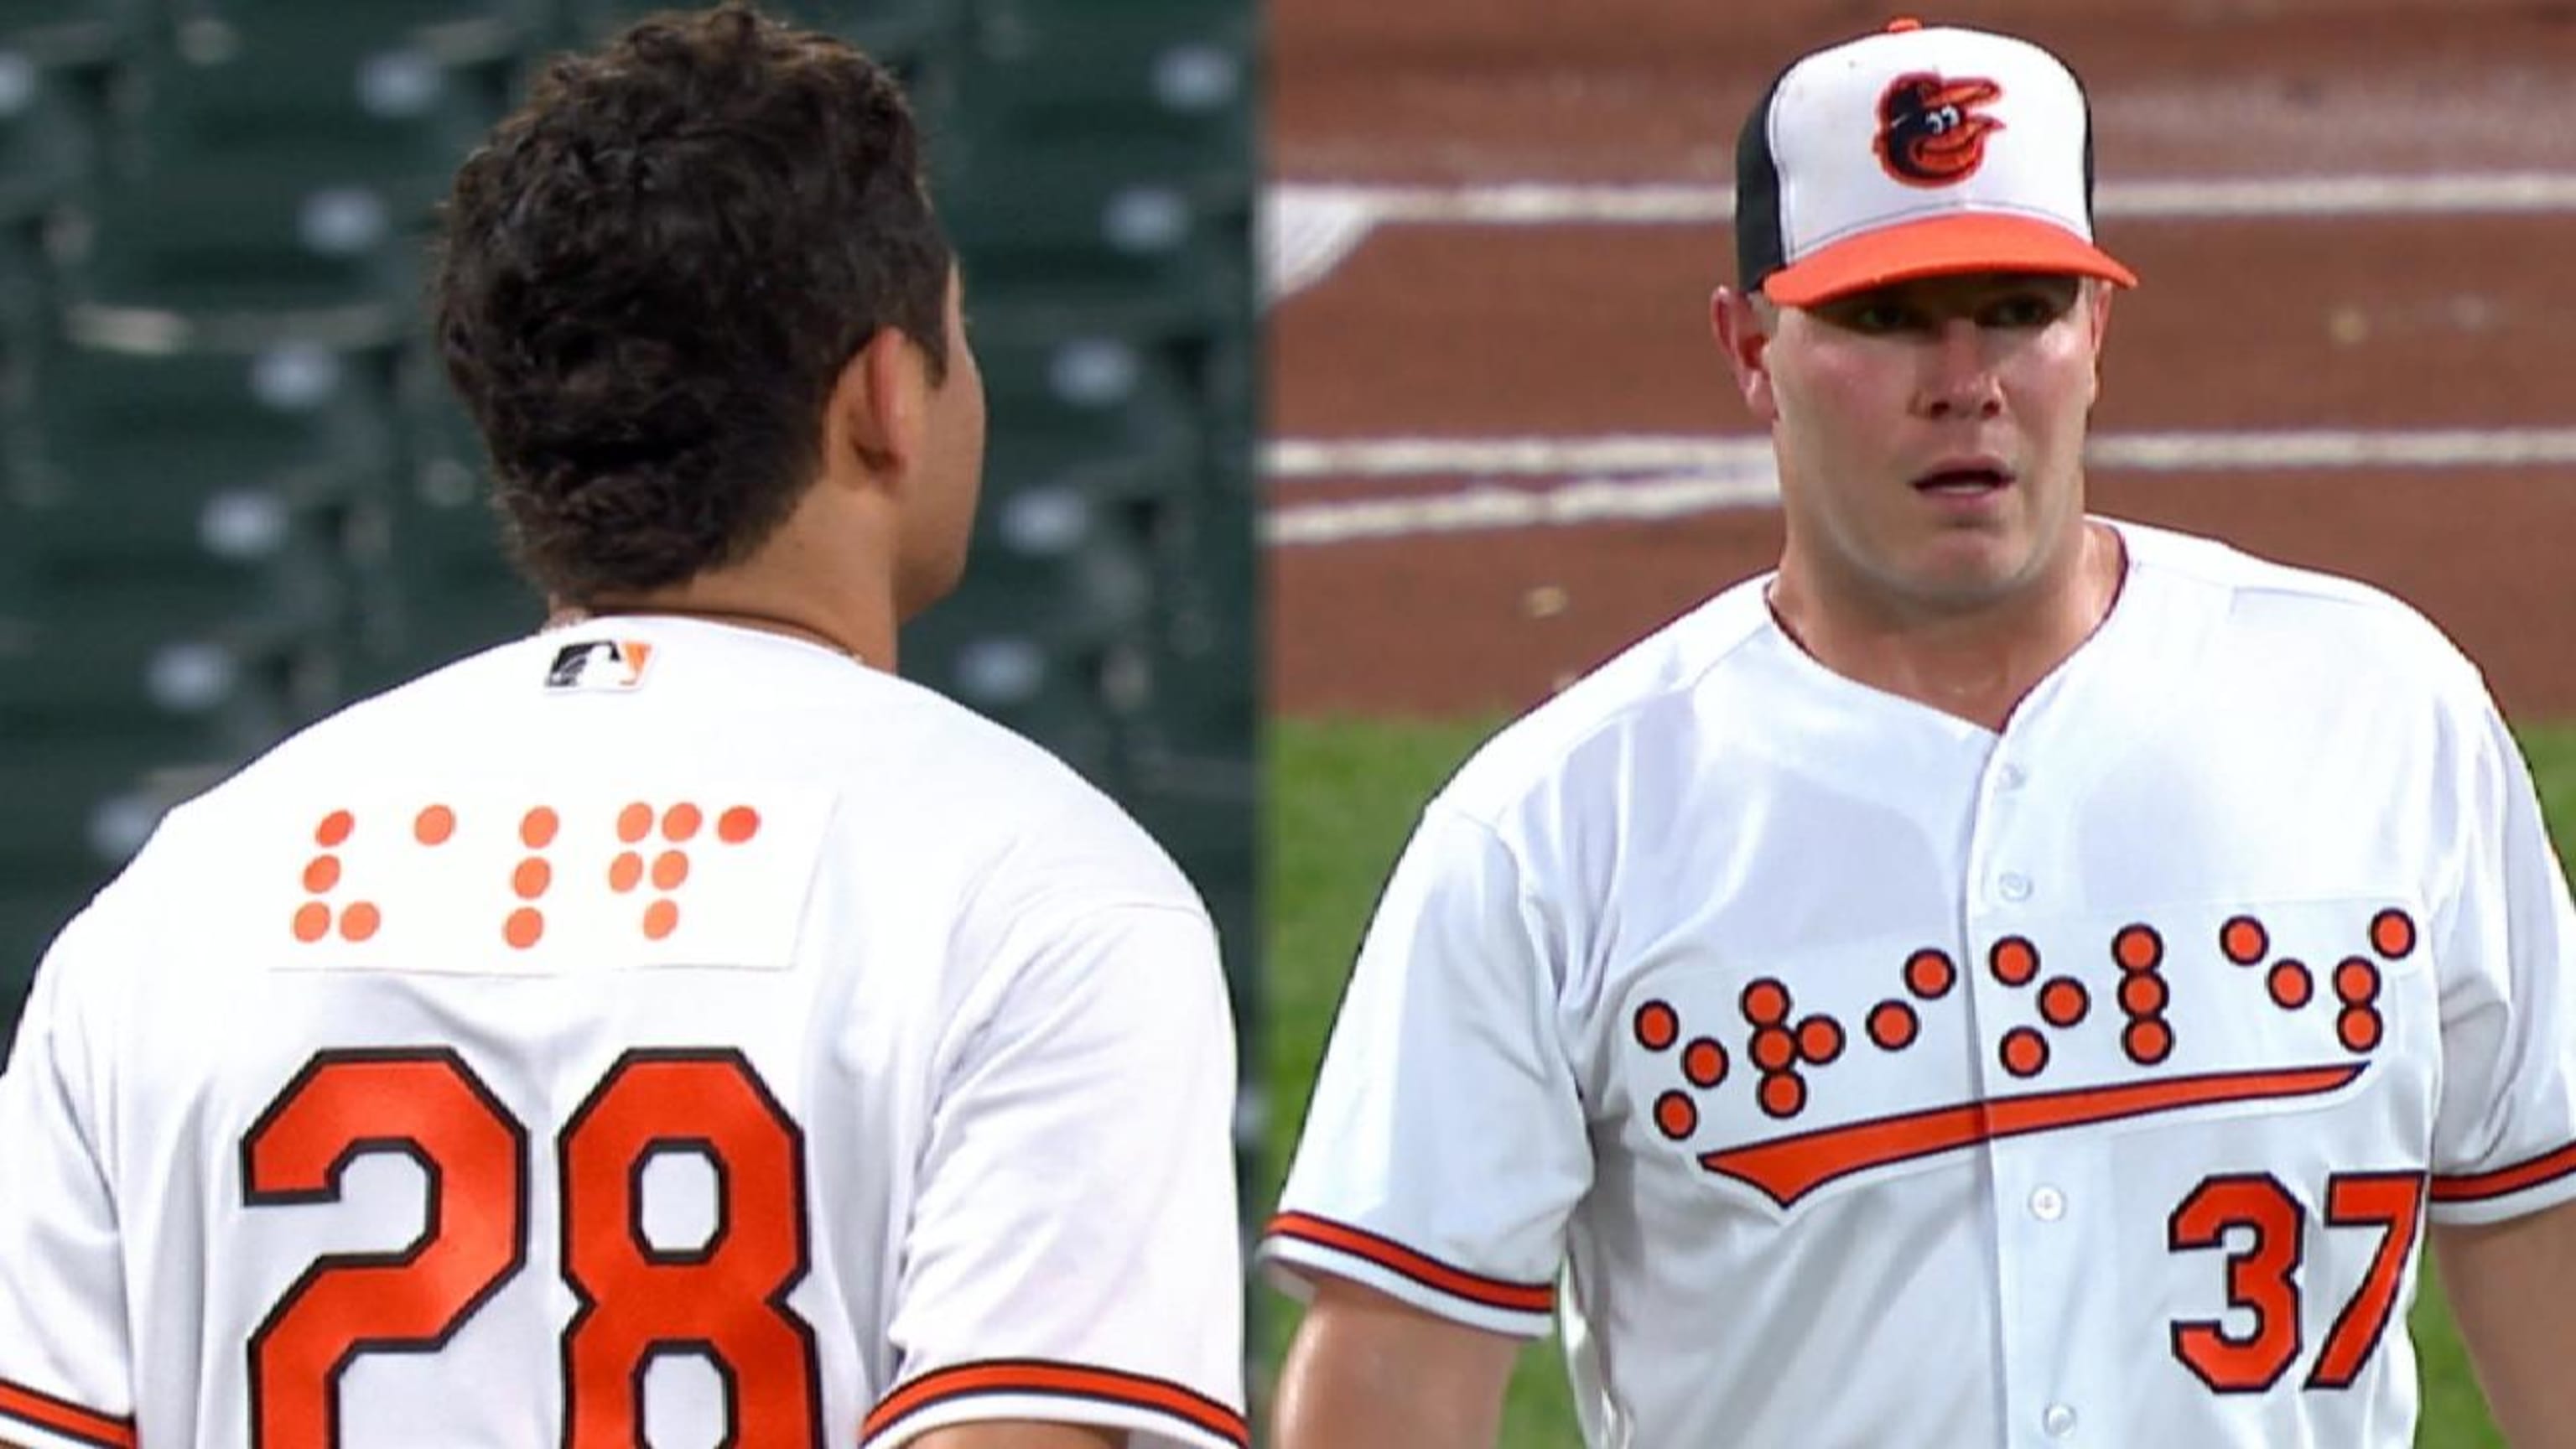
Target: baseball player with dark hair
(2007, 976)
(670, 1027)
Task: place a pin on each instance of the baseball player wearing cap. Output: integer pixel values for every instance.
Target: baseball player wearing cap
(670, 1027)
(2006, 977)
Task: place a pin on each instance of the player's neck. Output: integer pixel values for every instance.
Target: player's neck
(822, 576)
(852, 628)
(1975, 664)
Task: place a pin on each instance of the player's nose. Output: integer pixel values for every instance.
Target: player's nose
(1958, 378)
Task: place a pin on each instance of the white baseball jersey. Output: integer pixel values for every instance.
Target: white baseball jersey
(655, 1030)
(1865, 1077)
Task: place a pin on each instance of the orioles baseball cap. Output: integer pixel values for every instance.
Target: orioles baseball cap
(1916, 152)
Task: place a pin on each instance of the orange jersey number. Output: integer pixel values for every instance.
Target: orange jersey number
(725, 1300)
(2263, 1275)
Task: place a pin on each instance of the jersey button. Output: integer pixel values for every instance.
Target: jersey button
(2059, 1421)
(2013, 886)
(2048, 1204)
(2009, 777)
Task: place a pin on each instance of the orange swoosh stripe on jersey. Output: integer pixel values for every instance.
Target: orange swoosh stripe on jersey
(1789, 1168)
(61, 1416)
(2482, 1186)
(1056, 1380)
(1430, 1272)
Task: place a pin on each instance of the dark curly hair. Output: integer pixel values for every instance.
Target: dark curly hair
(651, 275)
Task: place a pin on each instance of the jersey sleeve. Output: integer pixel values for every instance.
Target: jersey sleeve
(66, 1357)
(2505, 943)
(1445, 1147)
(1073, 1254)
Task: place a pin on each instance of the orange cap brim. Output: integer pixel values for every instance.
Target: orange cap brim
(1940, 246)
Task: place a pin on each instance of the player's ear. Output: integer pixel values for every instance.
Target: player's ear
(878, 406)
(1742, 325)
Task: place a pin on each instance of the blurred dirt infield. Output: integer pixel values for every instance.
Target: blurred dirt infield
(2251, 327)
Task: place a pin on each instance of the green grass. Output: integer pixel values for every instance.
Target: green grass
(1340, 797)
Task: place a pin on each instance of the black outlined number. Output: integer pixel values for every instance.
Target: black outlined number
(724, 1301)
(2263, 1275)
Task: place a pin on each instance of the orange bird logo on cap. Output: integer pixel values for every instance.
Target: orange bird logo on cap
(1930, 132)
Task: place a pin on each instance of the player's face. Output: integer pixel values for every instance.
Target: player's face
(1930, 437)
(941, 512)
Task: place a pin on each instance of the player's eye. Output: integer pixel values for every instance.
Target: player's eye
(2036, 307)
(1876, 316)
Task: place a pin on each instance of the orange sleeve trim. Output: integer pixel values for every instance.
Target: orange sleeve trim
(1056, 1380)
(61, 1416)
(1430, 1272)
(2517, 1178)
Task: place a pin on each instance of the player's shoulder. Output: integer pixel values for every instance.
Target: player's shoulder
(2302, 611)
(1657, 686)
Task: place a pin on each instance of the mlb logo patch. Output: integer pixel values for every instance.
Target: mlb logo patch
(599, 665)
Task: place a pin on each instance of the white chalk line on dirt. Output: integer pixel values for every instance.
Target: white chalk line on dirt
(1566, 482)
(1308, 228)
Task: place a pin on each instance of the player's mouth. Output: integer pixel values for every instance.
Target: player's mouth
(1965, 478)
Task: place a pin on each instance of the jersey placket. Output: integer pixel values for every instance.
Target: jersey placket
(2048, 1194)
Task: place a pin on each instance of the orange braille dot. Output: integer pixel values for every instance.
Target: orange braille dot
(1766, 1003)
(2063, 1002)
(660, 919)
(626, 872)
(2244, 940)
(2138, 948)
(1820, 1039)
(2392, 934)
(1675, 1116)
(1892, 1025)
(1774, 1049)
(2356, 981)
(1658, 1026)
(682, 823)
(634, 822)
(2359, 1027)
(1783, 1094)
(434, 826)
(2143, 994)
(1704, 1063)
(537, 829)
(312, 921)
(360, 921)
(2014, 961)
(738, 825)
(335, 829)
(2025, 1052)
(1930, 974)
(322, 874)
(2292, 986)
(670, 868)
(526, 926)
(531, 878)
(2148, 1041)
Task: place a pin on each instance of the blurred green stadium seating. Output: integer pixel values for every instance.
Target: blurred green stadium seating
(234, 492)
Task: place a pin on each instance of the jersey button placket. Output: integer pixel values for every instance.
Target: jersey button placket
(2048, 1191)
